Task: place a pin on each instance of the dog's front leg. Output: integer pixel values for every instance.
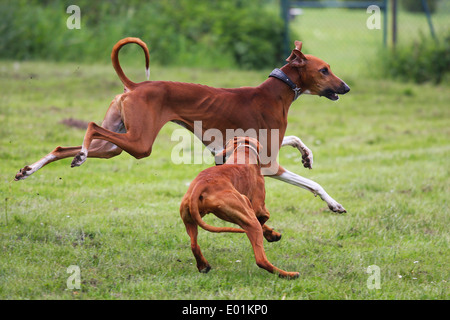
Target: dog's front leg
(307, 156)
(314, 187)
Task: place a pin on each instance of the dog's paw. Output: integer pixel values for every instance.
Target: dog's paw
(336, 207)
(307, 158)
(204, 269)
(289, 275)
(23, 173)
(272, 236)
(79, 159)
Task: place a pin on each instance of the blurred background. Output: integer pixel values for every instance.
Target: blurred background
(410, 44)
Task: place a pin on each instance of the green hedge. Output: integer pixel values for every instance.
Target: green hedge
(213, 33)
(422, 61)
(416, 5)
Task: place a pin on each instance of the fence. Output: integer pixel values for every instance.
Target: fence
(350, 34)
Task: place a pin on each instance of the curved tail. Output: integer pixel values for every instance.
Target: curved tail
(115, 60)
(195, 214)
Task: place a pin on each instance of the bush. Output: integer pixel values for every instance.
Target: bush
(422, 61)
(211, 33)
(416, 5)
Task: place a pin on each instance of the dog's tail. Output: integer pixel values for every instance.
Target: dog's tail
(115, 60)
(195, 214)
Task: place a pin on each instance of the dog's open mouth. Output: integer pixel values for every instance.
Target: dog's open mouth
(330, 94)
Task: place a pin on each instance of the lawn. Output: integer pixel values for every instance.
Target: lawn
(381, 151)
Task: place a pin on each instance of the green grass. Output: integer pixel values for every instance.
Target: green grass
(382, 151)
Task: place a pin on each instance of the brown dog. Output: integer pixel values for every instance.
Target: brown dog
(135, 117)
(235, 193)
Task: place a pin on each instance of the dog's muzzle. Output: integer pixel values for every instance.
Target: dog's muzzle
(333, 94)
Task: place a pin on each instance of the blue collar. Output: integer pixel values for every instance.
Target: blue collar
(280, 75)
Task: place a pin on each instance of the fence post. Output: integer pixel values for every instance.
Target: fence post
(428, 14)
(285, 5)
(385, 22)
(394, 23)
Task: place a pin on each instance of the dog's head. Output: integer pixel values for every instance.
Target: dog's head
(236, 143)
(315, 76)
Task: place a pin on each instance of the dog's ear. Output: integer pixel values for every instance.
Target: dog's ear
(259, 146)
(297, 58)
(254, 143)
(298, 45)
(221, 156)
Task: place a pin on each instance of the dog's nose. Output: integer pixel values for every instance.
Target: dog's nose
(346, 88)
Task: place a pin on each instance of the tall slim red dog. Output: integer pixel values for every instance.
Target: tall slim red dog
(235, 193)
(135, 117)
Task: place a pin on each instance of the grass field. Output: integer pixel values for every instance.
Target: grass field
(381, 151)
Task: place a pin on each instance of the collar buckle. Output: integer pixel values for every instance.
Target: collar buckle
(280, 75)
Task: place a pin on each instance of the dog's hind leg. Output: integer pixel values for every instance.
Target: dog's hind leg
(99, 149)
(262, 214)
(141, 125)
(238, 209)
(192, 230)
(255, 235)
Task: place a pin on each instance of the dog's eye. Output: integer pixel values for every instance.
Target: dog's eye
(324, 71)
